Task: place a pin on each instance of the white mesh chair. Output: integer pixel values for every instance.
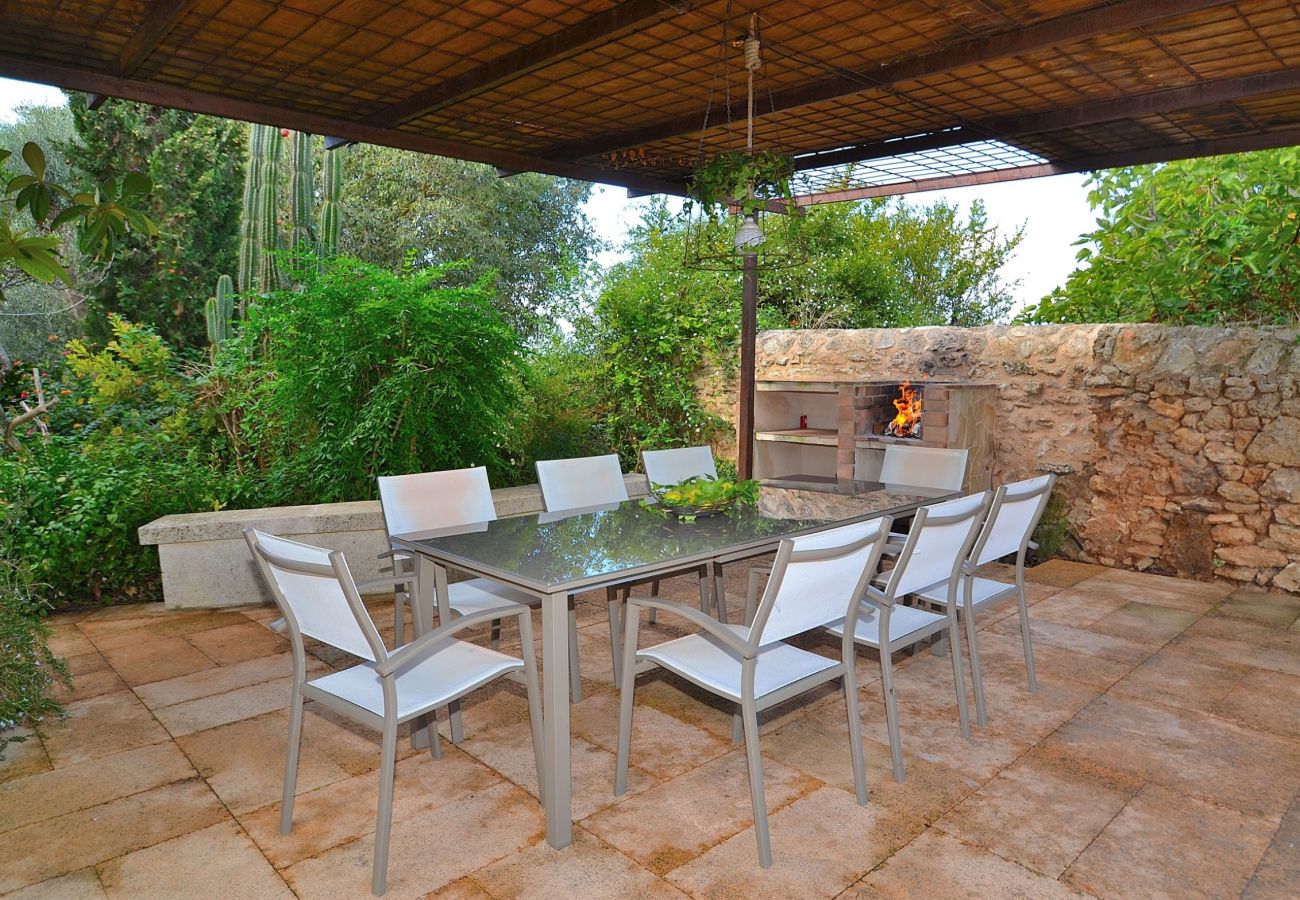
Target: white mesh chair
(319, 599)
(929, 467)
(588, 482)
(925, 467)
(930, 559)
(816, 579)
(431, 501)
(1012, 518)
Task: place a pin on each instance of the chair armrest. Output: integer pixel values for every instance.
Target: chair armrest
(705, 621)
(876, 596)
(389, 581)
(419, 648)
(1033, 545)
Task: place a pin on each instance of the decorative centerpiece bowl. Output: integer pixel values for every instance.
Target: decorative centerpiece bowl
(702, 496)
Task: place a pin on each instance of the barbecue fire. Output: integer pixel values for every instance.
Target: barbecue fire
(908, 421)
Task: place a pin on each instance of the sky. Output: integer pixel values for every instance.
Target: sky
(1053, 210)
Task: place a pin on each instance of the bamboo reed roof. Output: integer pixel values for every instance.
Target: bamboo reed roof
(871, 98)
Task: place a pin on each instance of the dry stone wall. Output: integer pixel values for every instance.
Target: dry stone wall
(1179, 447)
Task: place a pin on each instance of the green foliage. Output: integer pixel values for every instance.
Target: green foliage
(655, 324)
(529, 230)
(29, 672)
(330, 212)
(1198, 242)
(1053, 528)
(701, 495)
(364, 373)
(560, 411)
(750, 180)
(195, 163)
(126, 449)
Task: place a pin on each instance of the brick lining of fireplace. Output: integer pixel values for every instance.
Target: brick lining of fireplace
(866, 408)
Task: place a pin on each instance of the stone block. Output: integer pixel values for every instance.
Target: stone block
(1288, 579)
(1277, 442)
(1233, 535)
(1252, 556)
(1236, 492)
(1286, 537)
(1283, 484)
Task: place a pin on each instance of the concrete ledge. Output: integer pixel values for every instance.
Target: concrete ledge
(205, 562)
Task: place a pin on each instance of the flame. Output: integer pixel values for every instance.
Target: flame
(908, 421)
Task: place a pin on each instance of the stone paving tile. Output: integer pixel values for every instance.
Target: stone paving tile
(1162, 590)
(509, 751)
(1078, 640)
(217, 862)
(80, 885)
(1199, 755)
(1160, 837)
(154, 658)
(230, 706)
(101, 726)
(951, 870)
(73, 841)
(1040, 812)
(661, 745)
(1061, 572)
(430, 850)
(1178, 679)
(1279, 871)
(66, 640)
(1266, 701)
(1276, 610)
(218, 681)
(90, 682)
(90, 783)
(821, 845)
(1005, 653)
(673, 822)
(1078, 608)
(22, 755)
(345, 810)
(588, 869)
(244, 761)
(240, 641)
(819, 745)
(1243, 653)
(1144, 622)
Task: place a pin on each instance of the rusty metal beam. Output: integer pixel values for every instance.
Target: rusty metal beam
(159, 19)
(284, 117)
(1009, 128)
(1068, 29)
(602, 28)
(1270, 140)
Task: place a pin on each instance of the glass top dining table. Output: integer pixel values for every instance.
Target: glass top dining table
(553, 555)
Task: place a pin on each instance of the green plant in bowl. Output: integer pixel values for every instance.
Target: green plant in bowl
(702, 495)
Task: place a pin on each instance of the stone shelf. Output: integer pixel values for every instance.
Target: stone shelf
(822, 437)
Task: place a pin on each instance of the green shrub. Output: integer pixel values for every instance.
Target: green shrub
(361, 373)
(28, 670)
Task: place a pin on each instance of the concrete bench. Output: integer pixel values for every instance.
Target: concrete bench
(205, 562)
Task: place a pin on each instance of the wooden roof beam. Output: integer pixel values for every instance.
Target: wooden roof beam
(602, 28)
(1067, 29)
(158, 94)
(160, 18)
(1206, 93)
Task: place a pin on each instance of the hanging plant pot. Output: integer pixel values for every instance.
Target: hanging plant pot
(731, 212)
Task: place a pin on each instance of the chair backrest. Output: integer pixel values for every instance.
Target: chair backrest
(1012, 518)
(930, 467)
(427, 501)
(940, 541)
(816, 577)
(582, 481)
(675, 466)
(316, 593)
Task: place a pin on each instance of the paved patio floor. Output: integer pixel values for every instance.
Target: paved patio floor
(1160, 757)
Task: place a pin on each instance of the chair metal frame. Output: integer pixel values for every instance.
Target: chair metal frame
(388, 667)
(475, 505)
(977, 592)
(744, 646)
(893, 585)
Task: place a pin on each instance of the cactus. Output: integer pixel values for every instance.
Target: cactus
(302, 193)
(250, 245)
(268, 278)
(220, 310)
(329, 210)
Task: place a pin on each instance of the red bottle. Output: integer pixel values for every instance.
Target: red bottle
(803, 422)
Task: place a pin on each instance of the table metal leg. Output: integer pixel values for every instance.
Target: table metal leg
(556, 777)
(427, 576)
(719, 592)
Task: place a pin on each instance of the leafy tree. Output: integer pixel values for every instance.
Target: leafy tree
(363, 372)
(197, 165)
(529, 229)
(1199, 241)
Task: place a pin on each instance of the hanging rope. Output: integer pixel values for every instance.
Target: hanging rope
(753, 62)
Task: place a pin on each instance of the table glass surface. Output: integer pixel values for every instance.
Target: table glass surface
(550, 552)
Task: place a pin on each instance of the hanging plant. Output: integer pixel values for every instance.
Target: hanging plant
(746, 180)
